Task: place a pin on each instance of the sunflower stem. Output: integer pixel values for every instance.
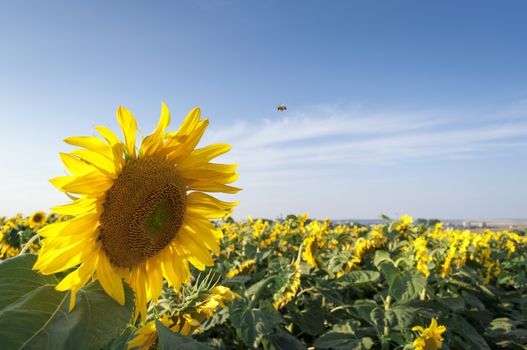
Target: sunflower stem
(28, 244)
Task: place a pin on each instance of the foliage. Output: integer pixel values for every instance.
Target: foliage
(295, 284)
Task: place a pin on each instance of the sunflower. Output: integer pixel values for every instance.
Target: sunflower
(244, 268)
(430, 338)
(290, 289)
(139, 214)
(37, 219)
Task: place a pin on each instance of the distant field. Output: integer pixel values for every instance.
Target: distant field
(308, 284)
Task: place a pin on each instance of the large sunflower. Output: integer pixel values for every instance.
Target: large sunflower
(138, 214)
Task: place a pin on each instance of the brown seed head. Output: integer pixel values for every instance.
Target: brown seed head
(142, 211)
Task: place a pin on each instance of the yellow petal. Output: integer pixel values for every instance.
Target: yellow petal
(155, 277)
(118, 160)
(82, 225)
(145, 337)
(180, 146)
(110, 281)
(60, 181)
(417, 329)
(78, 207)
(108, 135)
(203, 155)
(202, 231)
(433, 323)
(59, 259)
(137, 278)
(209, 212)
(190, 122)
(92, 143)
(116, 145)
(52, 229)
(212, 186)
(75, 165)
(169, 258)
(152, 142)
(180, 266)
(89, 184)
(79, 277)
(205, 200)
(98, 160)
(198, 255)
(220, 168)
(129, 126)
(190, 140)
(197, 175)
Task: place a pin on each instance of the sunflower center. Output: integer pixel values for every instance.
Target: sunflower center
(142, 212)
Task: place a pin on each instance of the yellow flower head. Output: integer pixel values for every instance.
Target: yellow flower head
(185, 322)
(430, 338)
(404, 223)
(37, 219)
(141, 214)
(421, 254)
(291, 288)
(216, 298)
(243, 268)
(311, 245)
(146, 336)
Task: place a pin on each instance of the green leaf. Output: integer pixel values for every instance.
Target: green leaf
(250, 323)
(36, 316)
(364, 309)
(311, 319)
(504, 328)
(454, 304)
(407, 287)
(347, 326)
(17, 279)
(169, 340)
(121, 342)
(380, 256)
(93, 306)
(404, 315)
(256, 289)
(363, 277)
(377, 317)
(472, 300)
(343, 341)
(501, 325)
(282, 340)
(336, 262)
(328, 291)
(468, 333)
(389, 271)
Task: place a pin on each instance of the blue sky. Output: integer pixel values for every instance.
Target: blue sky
(394, 107)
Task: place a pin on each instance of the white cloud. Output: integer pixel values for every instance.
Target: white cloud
(314, 161)
(329, 161)
(302, 141)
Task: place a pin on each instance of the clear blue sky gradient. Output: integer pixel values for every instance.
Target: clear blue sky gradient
(394, 107)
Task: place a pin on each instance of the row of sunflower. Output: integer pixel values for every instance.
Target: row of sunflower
(397, 285)
(142, 257)
(299, 283)
(17, 231)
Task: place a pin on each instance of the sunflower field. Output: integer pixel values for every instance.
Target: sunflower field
(294, 283)
(142, 257)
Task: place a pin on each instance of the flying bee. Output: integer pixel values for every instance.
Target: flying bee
(281, 107)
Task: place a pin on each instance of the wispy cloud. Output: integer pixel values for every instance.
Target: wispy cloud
(328, 161)
(337, 137)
